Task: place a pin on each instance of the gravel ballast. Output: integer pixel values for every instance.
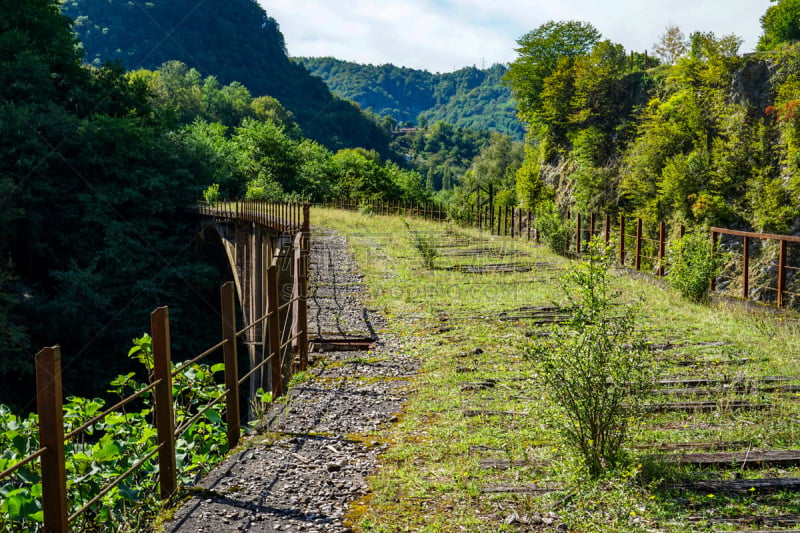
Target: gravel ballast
(313, 453)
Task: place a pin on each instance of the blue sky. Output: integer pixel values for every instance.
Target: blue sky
(443, 35)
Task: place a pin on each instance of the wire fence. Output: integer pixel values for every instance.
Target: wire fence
(286, 337)
(759, 267)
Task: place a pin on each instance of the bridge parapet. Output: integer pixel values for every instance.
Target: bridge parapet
(278, 217)
(267, 245)
(272, 286)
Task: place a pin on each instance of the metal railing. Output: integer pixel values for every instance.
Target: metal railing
(754, 250)
(641, 246)
(52, 437)
(278, 216)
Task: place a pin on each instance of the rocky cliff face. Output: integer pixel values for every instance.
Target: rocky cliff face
(751, 85)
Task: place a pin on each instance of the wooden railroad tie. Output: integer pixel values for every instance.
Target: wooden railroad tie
(522, 488)
(739, 486)
(748, 459)
(703, 407)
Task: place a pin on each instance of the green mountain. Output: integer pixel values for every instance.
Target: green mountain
(233, 40)
(468, 98)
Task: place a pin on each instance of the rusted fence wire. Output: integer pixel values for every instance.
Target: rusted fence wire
(288, 218)
(761, 265)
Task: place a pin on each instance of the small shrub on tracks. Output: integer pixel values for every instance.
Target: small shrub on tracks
(596, 369)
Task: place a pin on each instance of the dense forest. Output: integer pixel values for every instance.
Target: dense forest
(232, 40)
(467, 98)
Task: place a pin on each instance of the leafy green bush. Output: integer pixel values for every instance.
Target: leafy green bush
(365, 208)
(694, 263)
(211, 194)
(596, 368)
(555, 229)
(104, 451)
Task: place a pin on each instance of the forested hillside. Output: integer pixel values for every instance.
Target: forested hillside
(233, 40)
(467, 98)
(707, 137)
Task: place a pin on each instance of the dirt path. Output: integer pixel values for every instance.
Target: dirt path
(314, 451)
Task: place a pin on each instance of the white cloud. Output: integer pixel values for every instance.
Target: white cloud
(442, 35)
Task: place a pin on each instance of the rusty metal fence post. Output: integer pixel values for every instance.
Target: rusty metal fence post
(230, 356)
(302, 314)
(745, 267)
(273, 325)
(638, 244)
(51, 437)
(714, 241)
(529, 223)
(782, 272)
(622, 239)
(165, 421)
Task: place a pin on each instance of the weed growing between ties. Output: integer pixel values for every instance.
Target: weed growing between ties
(595, 369)
(425, 246)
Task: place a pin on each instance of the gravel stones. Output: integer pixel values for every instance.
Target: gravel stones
(315, 448)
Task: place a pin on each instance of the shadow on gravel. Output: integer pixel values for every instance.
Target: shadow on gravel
(267, 513)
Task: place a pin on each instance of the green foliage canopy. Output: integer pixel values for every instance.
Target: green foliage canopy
(540, 52)
(781, 24)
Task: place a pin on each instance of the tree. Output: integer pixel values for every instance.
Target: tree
(781, 24)
(493, 170)
(213, 156)
(179, 89)
(360, 176)
(269, 108)
(315, 174)
(530, 187)
(540, 52)
(267, 158)
(707, 46)
(230, 104)
(671, 45)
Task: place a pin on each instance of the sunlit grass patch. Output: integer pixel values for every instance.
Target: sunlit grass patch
(458, 440)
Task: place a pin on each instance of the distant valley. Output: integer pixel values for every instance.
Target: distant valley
(468, 98)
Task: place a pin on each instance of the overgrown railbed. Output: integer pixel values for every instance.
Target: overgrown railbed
(475, 449)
